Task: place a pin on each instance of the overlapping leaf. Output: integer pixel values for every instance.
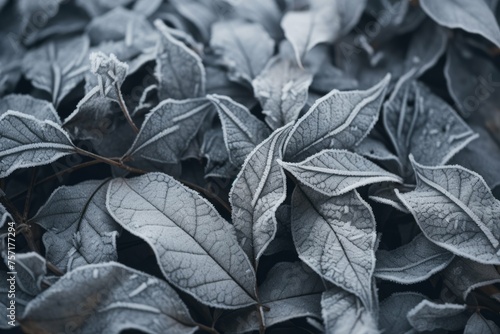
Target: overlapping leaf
(188, 237)
(79, 228)
(478, 324)
(344, 313)
(242, 130)
(420, 123)
(291, 290)
(27, 104)
(245, 48)
(338, 120)
(57, 66)
(256, 194)
(169, 128)
(308, 28)
(26, 142)
(394, 311)
(474, 17)
(462, 276)
(336, 236)
(456, 210)
(108, 298)
(428, 316)
(336, 172)
(413, 262)
(282, 91)
(180, 72)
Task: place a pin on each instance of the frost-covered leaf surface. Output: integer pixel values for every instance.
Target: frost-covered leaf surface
(26, 142)
(169, 128)
(282, 165)
(462, 276)
(57, 66)
(338, 120)
(394, 311)
(336, 172)
(478, 324)
(343, 312)
(291, 290)
(113, 298)
(242, 130)
(244, 48)
(456, 210)
(187, 235)
(474, 17)
(413, 262)
(428, 316)
(422, 124)
(262, 180)
(308, 28)
(180, 73)
(282, 91)
(40, 109)
(336, 236)
(79, 228)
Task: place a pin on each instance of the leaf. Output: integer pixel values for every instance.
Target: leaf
(336, 237)
(476, 18)
(256, 194)
(107, 298)
(338, 120)
(462, 276)
(457, 211)
(121, 24)
(428, 316)
(110, 72)
(179, 70)
(202, 14)
(27, 104)
(291, 290)
(214, 150)
(336, 172)
(420, 123)
(265, 12)
(27, 142)
(25, 283)
(79, 228)
(282, 91)
(349, 13)
(31, 270)
(4, 215)
(394, 309)
(245, 48)
(413, 262)
(242, 130)
(472, 80)
(97, 7)
(344, 313)
(57, 66)
(481, 156)
(479, 325)
(306, 29)
(426, 47)
(168, 129)
(218, 83)
(188, 237)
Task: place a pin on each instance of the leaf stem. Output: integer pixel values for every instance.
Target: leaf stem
(124, 108)
(112, 162)
(207, 329)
